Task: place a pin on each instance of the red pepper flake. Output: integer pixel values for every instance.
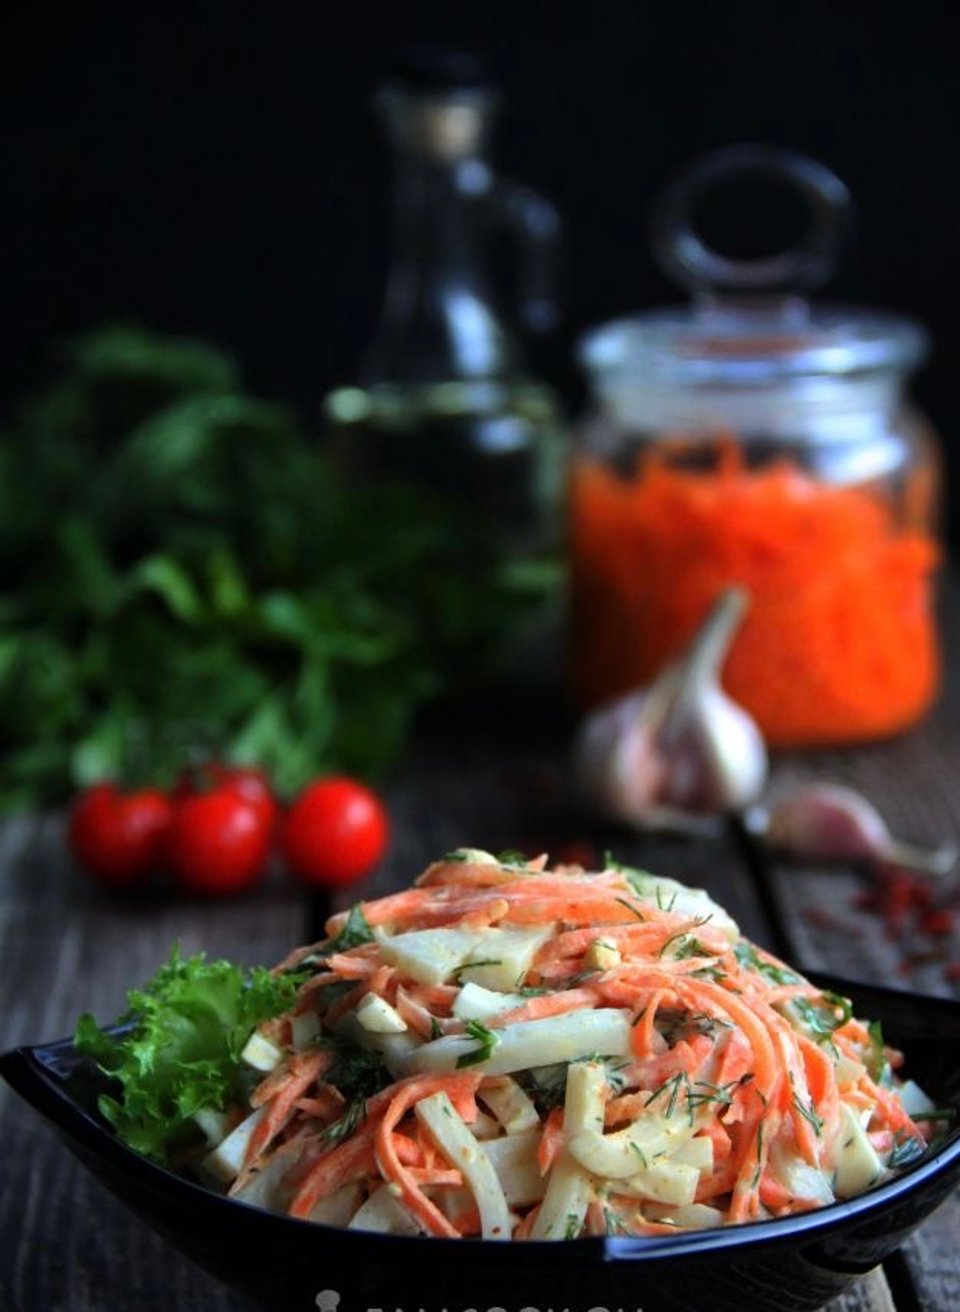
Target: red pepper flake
(921, 895)
(896, 887)
(938, 922)
(913, 913)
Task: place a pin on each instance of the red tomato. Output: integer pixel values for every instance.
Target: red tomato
(251, 784)
(118, 837)
(335, 832)
(218, 842)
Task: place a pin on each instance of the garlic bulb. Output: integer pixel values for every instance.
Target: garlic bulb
(828, 822)
(680, 745)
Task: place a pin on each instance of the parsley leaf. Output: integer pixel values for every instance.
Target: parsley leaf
(747, 955)
(355, 933)
(819, 1015)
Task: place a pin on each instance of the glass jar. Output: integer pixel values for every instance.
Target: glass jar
(759, 440)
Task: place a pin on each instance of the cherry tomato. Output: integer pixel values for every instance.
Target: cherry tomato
(118, 837)
(218, 842)
(334, 833)
(251, 784)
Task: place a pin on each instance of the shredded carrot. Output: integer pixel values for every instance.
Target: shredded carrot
(686, 1057)
(822, 1085)
(326, 1103)
(418, 1017)
(346, 1003)
(522, 1231)
(487, 915)
(477, 874)
(438, 996)
(755, 1030)
(280, 1091)
(347, 965)
(408, 1150)
(736, 1060)
(775, 1195)
(881, 1140)
(551, 1140)
(648, 937)
(429, 1156)
(464, 874)
(643, 1025)
(438, 906)
(550, 1004)
(394, 1172)
(720, 1138)
(745, 1200)
(891, 1109)
(839, 643)
(436, 1176)
(628, 1107)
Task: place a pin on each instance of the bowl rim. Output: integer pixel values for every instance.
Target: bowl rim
(30, 1071)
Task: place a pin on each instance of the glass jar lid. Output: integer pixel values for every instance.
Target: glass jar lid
(748, 323)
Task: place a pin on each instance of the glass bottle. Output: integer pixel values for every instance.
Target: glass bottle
(760, 439)
(444, 397)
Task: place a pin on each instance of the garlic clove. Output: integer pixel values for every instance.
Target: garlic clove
(827, 821)
(830, 822)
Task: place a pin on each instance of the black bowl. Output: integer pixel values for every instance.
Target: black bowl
(798, 1262)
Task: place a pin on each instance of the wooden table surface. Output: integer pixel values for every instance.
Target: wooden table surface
(67, 1246)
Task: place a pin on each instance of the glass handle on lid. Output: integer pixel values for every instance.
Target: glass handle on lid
(687, 259)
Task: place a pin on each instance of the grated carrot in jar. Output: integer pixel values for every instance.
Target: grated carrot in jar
(839, 643)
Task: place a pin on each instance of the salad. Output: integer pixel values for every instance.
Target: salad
(511, 1052)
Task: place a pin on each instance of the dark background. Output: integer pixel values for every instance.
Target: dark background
(216, 169)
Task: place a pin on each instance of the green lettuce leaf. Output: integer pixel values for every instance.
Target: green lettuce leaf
(180, 1045)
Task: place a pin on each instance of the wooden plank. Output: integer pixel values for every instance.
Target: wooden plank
(64, 1243)
(870, 1294)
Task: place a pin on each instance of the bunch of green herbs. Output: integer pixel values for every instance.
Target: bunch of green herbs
(186, 574)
